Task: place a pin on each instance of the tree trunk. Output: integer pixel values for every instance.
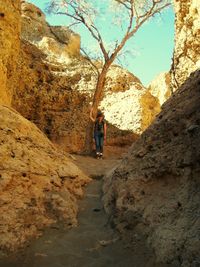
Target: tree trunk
(96, 100)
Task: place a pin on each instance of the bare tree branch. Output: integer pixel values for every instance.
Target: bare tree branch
(84, 11)
(90, 61)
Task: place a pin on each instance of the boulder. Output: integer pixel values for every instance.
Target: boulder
(39, 185)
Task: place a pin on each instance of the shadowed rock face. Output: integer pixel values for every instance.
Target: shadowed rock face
(156, 187)
(38, 184)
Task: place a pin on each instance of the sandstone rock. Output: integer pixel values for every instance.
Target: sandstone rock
(160, 87)
(57, 42)
(186, 57)
(157, 183)
(38, 184)
(132, 110)
(187, 39)
(9, 47)
(57, 95)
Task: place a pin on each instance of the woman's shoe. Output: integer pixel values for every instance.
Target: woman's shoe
(97, 155)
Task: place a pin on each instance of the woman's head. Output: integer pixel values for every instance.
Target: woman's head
(100, 116)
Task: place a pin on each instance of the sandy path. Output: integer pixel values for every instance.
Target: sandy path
(93, 243)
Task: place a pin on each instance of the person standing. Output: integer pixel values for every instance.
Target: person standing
(99, 132)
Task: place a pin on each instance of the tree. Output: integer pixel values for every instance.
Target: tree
(134, 13)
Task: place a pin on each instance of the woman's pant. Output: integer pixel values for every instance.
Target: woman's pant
(99, 138)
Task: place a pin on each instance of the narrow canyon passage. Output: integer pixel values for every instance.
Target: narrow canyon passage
(93, 243)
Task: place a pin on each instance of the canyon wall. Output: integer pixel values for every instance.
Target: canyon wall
(155, 189)
(187, 39)
(9, 47)
(57, 83)
(39, 185)
(186, 56)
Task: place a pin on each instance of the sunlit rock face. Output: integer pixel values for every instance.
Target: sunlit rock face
(57, 42)
(186, 58)
(127, 103)
(160, 87)
(57, 97)
(38, 184)
(187, 40)
(9, 48)
(155, 189)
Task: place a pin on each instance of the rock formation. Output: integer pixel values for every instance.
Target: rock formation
(9, 47)
(160, 87)
(57, 42)
(38, 184)
(155, 189)
(56, 85)
(159, 175)
(187, 39)
(186, 57)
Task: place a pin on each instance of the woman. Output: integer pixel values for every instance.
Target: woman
(99, 133)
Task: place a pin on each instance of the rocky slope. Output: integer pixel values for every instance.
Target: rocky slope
(155, 189)
(57, 83)
(9, 47)
(38, 184)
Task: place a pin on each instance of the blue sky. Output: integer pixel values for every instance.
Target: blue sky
(152, 46)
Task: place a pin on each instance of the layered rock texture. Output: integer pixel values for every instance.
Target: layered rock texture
(57, 83)
(187, 40)
(57, 42)
(155, 189)
(38, 184)
(9, 47)
(186, 57)
(160, 87)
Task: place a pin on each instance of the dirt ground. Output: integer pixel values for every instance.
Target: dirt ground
(93, 243)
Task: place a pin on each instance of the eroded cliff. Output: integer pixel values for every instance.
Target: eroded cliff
(187, 40)
(186, 56)
(57, 84)
(155, 189)
(9, 47)
(38, 184)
